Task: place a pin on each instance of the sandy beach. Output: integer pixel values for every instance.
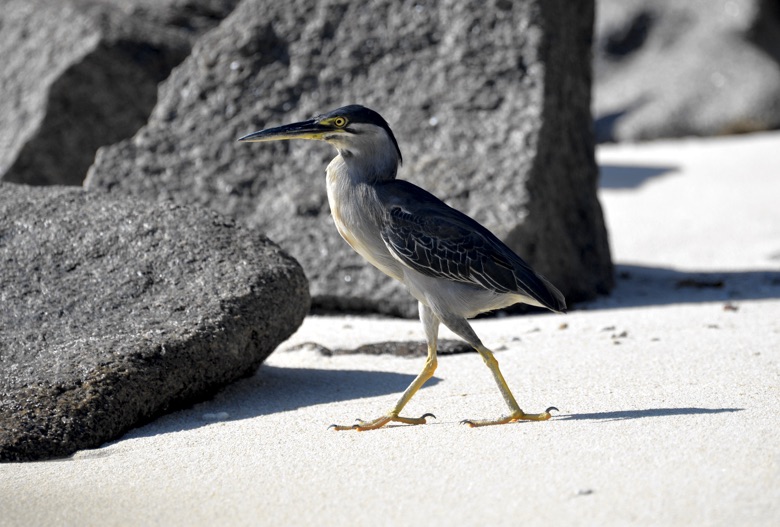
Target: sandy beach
(668, 391)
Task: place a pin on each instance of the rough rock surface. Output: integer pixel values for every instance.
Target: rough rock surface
(703, 67)
(490, 104)
(113, 311)
(79, 74)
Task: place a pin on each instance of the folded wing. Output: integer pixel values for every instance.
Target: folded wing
(436, 240)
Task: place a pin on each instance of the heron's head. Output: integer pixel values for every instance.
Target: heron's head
(355, 131)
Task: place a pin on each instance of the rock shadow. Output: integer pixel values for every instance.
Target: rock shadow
(274, 389)
(612, 176)
(639, 286)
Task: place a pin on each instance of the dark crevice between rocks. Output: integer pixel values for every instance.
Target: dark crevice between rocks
(106, 98)
(625, 40)
(765, 29)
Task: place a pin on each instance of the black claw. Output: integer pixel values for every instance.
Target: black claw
(550, 409)
(334, 425)
(427, 415)
(467, 422)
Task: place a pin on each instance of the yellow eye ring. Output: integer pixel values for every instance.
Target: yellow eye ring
(339, 122)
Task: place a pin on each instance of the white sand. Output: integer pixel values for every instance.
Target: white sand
(668, 401)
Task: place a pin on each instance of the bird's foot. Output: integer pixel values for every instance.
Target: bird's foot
(511, 418)
(382, 421)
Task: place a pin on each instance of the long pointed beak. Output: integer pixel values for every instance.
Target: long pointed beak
(310, 129)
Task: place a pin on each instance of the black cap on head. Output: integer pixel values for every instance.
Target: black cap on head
(355, 113)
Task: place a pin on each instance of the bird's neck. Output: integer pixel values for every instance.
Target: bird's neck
(368, 169)
(357, 213)
(371, 160)
(348, 185)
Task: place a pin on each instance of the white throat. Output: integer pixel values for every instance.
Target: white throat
(369, 155)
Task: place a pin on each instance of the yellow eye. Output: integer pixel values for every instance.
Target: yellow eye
(339, 122)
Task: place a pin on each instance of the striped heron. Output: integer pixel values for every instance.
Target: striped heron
(453, 266)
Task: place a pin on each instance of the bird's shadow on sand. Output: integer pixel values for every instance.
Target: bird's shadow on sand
(622, 415)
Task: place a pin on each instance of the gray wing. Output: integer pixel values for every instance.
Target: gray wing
(437, 240)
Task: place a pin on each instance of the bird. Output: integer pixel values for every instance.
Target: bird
(453, 266)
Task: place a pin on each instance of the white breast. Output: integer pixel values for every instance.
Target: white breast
(355, 223)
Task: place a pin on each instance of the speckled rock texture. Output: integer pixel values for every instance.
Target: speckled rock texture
(113, 311)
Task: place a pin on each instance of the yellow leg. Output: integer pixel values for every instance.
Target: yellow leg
(431, 325)
(516, 414)
(392, 415)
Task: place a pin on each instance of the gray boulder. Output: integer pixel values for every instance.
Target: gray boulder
(114, 311)
(665, 68)
(79, 74)
(490, 104)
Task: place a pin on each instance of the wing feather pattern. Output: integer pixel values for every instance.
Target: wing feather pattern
(436, 240)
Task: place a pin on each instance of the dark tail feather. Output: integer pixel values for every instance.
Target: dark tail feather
(554, 301)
